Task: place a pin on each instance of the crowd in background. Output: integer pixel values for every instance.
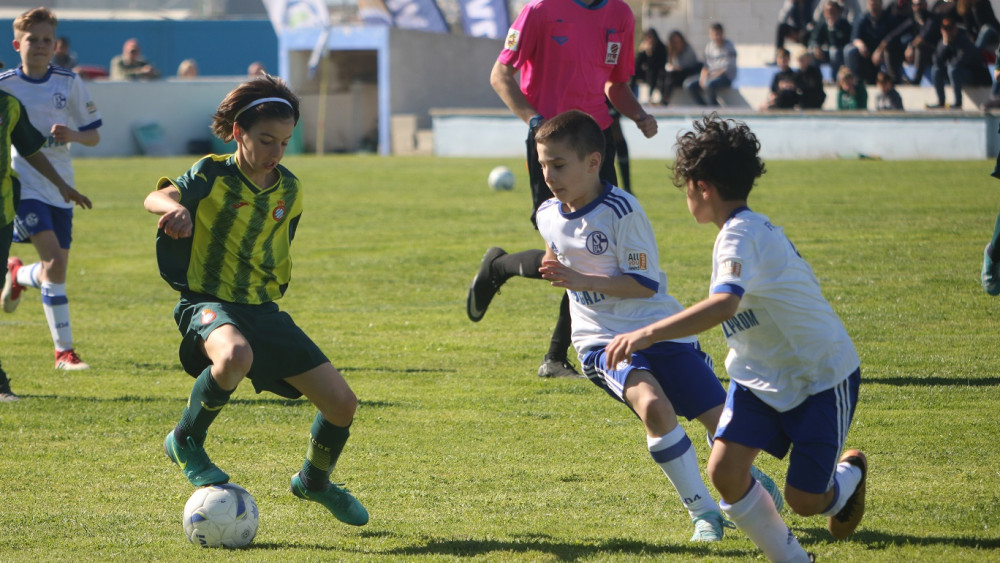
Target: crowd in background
(947, 44)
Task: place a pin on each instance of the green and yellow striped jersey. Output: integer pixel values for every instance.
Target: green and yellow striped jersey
(16, 129)
(242, 233)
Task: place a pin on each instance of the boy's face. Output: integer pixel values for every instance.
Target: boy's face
(36, 45)
(716, 36)
(698, 205)
(573, 180)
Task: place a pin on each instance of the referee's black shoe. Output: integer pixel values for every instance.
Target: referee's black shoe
(484, 286)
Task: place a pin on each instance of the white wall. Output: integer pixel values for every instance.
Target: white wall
(183, 108)
(819, 135)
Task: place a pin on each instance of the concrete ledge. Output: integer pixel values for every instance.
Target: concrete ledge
(784, 135)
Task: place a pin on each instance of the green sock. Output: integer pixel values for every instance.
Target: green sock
(995, 242)
(206, 400)
(326, 441)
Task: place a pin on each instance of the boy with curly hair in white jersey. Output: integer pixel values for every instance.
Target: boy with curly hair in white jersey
(794, 371)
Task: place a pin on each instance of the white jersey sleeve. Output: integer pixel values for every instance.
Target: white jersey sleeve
(785, 340)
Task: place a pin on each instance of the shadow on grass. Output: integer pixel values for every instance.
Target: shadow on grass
(346, 369)
(562, 550)
(876, 538)
(935, 381)
(183, 399)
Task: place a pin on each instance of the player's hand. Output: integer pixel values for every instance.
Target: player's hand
(69, 194)
(176, 223)
(562, 276)
(622, 347)
(61, 134)
(647, 124)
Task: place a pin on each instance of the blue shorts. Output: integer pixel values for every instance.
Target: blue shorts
(35, 216)
(815, 430)
(682, 370)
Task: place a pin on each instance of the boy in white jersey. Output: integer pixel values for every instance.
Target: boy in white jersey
(601, 248)
(794, 371)
(60, 107)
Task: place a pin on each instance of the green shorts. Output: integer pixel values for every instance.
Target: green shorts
(280, 348)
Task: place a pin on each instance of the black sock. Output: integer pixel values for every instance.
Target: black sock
(524, 264)
(561, 336)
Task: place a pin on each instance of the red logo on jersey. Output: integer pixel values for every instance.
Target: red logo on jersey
(240, 204)
(207, 316)
(279, 211)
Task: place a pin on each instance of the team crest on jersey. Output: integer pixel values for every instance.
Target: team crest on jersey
(91, 107)
(597, 243)
(31, 220)
(732, 268)
(636, 261)
(207, 316)
(59, 100)
(279, 211)
(611, 55)
(513, 39)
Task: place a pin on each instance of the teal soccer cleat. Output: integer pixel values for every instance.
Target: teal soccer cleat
(770, 486)
(193, 461)
(338, 501)
(709, 527)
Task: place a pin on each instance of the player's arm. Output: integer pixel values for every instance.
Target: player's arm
(565, 277)
(63, 134)
(698, 318)
(41, 163)
(503, 82)
(175, 219)
(624, 100)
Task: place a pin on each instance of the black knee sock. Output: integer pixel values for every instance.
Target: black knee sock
(524, 264)
(562, 334)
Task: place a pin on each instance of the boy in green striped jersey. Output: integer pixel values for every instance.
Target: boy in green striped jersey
(224, 233)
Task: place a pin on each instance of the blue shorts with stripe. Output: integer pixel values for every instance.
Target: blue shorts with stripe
(682, 370)
(815, 430)
(35, 216)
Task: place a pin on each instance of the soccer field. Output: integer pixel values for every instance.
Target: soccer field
(458, 450)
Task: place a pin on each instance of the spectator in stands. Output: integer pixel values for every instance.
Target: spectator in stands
(188, 69)
(980, 21)
(920, 36)
(851, 10)
(851, 92)
(795, 22)
(830, 37)
(256, 69)
(718, 72)
(130, 64)
(682, 63)
(867, 51)
(957, 61)
(784, 93)
(888, 98)
(63, 56)
(650, 64)
(809, 83)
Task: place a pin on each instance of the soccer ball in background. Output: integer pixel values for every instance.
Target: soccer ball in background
(221, 515)
(501, 178)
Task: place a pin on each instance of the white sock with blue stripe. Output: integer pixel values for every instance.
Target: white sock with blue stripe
(676, 457)
(845, 481)
(56, 307)
(29, 275)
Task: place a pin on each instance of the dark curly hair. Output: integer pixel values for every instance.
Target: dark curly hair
(722, 152)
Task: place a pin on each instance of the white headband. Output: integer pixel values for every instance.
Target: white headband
(259, 101)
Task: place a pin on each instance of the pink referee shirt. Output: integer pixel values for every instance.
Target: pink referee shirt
(567, 51)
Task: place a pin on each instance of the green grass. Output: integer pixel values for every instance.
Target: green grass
(458, 450)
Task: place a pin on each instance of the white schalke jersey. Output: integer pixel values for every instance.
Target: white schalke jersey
(58, 97)
(785, 341)
(611, 236)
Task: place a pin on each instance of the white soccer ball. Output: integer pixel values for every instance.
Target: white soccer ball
(221, 515)
(501, 178)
